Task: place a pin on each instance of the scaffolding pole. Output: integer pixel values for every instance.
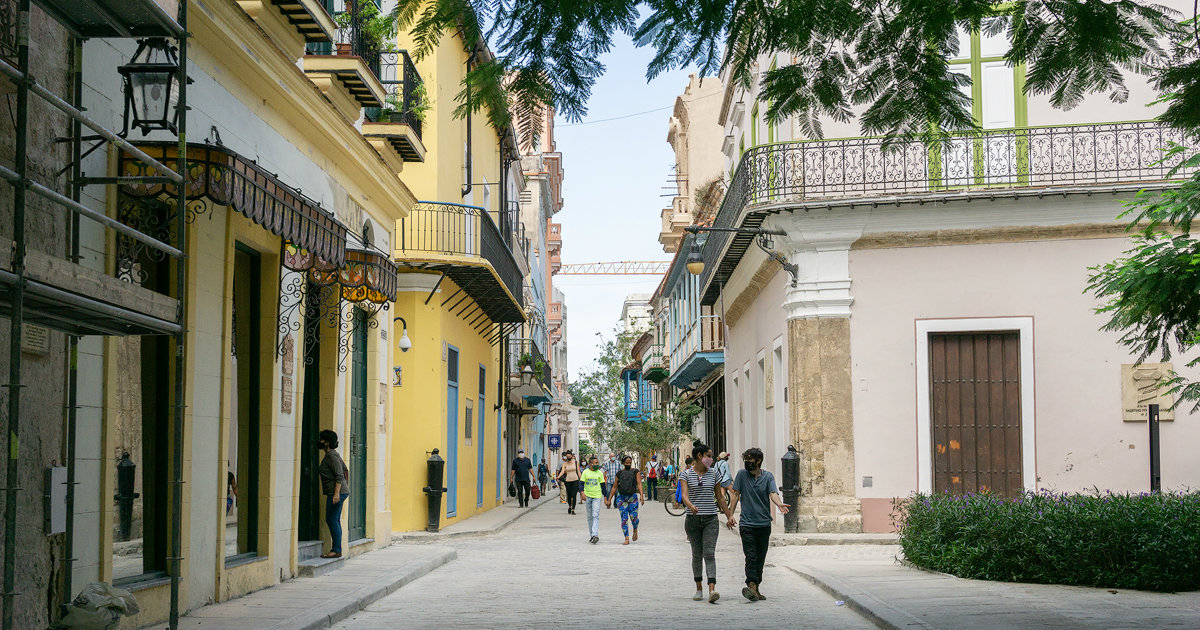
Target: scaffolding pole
(176, 562)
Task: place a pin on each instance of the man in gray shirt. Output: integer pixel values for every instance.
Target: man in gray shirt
(756, 490)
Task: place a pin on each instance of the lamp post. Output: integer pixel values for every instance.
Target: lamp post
(695, 262)
(152, 87)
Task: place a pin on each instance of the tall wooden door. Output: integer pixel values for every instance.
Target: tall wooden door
(975, 406)
(452, 431)
(308, 527)
(481, 436)
(358, 428)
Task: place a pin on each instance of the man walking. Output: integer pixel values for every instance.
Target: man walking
(519, 474)
(592, 479)
(652, 473)
(756, 489)
(611, 466)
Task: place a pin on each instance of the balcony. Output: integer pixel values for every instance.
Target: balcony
(699, 349)
(554, 236)
(464, 242)
(348, 70)
(656, 363)
(1054, 159)
(292, 23)
(398, 122)
(519, 347)
(555, 316)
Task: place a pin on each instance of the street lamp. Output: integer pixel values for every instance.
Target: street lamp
(526, 376)
(152, 87)
(405, 343)
(695, 263)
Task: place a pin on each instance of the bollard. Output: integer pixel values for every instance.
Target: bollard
(791, 489)
(126, 477)
(433, 492)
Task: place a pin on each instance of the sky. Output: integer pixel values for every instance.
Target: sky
(615, 172)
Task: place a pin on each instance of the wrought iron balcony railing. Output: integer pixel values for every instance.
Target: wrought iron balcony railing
(353, 35)
(405, 91)
(1069, 155)
(519, 347)
(438, 230)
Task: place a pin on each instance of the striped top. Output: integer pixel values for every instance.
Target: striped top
(701, 489)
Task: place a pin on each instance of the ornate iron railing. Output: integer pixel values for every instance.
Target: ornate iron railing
(352, 36)
(450, 229)
(405, 91)
(1069, 155)
(519, 347)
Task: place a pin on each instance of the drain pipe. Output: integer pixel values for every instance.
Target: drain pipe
(466, 189)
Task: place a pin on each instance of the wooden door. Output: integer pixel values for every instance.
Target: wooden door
(975, 403)
(358, 428)
(451, 431)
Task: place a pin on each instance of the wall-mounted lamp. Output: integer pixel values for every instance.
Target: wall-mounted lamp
(405, 343)
(695, 262)
(152, 86)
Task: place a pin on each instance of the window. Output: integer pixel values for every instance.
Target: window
(772, 128)
(470, 415)
(754, 125)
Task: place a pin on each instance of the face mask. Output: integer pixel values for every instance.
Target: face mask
(595, 466)
(752, 465)
(707, 461)
(628, 466)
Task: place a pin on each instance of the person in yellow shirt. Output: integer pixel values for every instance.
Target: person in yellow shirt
(592, 479)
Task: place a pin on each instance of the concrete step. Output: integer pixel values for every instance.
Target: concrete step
(308, 549)
(316, 567)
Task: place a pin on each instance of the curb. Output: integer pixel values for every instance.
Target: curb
(872, 608)
(410, 538)
(790, 540)
(383, 590)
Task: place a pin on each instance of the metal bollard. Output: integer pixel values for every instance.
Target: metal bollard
(126, 478)
(435, 465)
(791, 489)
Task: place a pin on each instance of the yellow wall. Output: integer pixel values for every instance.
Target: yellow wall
(420, 409)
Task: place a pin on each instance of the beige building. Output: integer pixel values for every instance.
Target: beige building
(695, 136)
(932, 332)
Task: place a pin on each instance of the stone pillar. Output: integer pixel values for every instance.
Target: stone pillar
(820, 405)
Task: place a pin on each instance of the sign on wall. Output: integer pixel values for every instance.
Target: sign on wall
(554, 440)
(1141, 386)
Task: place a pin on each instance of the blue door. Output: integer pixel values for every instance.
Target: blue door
(481, 436)
(451, 431)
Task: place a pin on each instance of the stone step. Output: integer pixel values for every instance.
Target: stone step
(316, 567)
(308, 549)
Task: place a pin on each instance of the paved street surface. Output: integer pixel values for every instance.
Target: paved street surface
(541, 571)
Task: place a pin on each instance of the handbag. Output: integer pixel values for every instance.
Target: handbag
(535, 492)
(512, 489)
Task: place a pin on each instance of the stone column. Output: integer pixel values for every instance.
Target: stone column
(821, 413)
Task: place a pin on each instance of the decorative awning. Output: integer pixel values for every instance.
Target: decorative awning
(227, 178)
(365, 276)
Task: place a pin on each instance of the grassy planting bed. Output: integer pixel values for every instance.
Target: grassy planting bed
(1134, 541)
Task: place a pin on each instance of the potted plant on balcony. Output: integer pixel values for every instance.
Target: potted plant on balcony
(376, 30)
(394, 107)
(536, 363)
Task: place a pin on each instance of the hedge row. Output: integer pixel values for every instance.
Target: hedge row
(1106, 539)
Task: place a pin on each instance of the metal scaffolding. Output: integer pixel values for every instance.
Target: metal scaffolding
(27, 299)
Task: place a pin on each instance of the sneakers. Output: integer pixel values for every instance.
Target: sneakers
(750, 591)
(594, 540)
(699, 596)
(713, 597)
(761, 597)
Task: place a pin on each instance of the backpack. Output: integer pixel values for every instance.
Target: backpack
(627, 482)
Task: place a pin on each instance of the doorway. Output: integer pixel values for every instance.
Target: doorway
(358, 427)
(308, 527)
(451, 431)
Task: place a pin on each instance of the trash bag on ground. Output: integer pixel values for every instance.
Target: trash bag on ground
(99, 606)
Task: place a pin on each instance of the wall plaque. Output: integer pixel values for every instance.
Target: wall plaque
(1140, 386)
(35, 339)
(285, 396)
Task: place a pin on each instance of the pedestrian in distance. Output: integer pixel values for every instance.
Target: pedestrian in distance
(611, 466)
(756, 490)
(653, 471)
(703, 496)
(626, 490)
(335, 486)
(593, 479)
(543, 475)
(568, 475)
(724, 478)
(520, 474)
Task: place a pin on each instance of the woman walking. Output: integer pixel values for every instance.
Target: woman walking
(626, 490)
(568, 475)
(702, 495)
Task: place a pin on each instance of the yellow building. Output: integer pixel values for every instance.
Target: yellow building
(460, 295)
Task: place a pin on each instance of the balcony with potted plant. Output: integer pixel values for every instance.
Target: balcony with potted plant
(396, 126)
(348, 69)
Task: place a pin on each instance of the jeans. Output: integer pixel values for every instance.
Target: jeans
(593, 514)
(333, 520)
(572, 494)
(522, 492)
(652, 489)
(628, 505)
(755, 541)
(702, 533)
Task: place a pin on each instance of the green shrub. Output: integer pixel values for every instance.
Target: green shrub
(1114, 540)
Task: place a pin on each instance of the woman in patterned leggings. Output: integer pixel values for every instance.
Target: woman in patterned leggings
(627, 489)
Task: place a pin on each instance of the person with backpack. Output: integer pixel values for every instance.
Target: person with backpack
(626, 491)
(335, 485)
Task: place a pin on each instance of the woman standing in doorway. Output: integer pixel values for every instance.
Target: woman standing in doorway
(336, 487)
(702, 495)
(568, 475)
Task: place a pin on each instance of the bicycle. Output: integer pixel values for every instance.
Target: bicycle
(673, 507)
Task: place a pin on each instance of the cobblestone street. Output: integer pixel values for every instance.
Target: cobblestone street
(541, 571)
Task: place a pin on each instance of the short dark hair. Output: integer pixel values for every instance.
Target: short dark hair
(699, 449)
(688, 461)
(753, 453)
(627, 457)
(593, 457)
(329, 438)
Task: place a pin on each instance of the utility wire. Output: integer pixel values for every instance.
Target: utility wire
(642, 113)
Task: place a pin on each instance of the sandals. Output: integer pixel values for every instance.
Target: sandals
(331, 555)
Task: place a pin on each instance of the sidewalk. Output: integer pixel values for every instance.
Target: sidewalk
(490, 522)
(320, 602)
(895, 596)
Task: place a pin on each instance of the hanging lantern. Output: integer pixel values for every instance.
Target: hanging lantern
(152, 87)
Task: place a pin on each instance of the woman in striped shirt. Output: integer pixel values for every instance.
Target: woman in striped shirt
(702, 495)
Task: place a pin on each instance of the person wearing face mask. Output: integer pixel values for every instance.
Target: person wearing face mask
(611, 466)
(626, 490)
(756, 490)
(568, 475)
(593, 479)
(702, 495)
